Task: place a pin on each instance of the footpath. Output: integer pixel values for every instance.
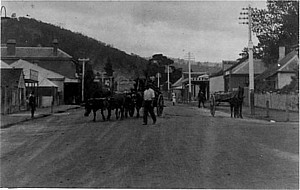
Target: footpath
(259, 113)
(19, 117)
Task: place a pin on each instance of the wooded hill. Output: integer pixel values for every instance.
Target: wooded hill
(31, 33)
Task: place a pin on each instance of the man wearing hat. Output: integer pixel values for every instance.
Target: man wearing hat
(148, 104)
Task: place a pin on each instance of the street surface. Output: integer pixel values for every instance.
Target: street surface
(186, 148)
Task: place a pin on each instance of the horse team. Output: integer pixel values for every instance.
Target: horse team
(124, 105)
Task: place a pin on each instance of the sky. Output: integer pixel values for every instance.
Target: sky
(209, 30)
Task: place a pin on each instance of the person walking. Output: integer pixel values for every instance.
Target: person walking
(201, 99)
(149, 96)
(173, 98)
(32, 104)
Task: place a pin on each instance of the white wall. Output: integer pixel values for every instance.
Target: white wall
(216, 84)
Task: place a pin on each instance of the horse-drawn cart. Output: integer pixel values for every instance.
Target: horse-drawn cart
(234, 98)
(158, 102)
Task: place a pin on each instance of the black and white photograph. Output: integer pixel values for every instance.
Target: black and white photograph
(149, 94)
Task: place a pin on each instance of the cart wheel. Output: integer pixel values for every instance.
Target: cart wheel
(160, 105)
(212, 105)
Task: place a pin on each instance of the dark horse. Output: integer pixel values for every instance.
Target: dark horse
(117, 102)
(236, 103)
(137, 95)
(114, 102)
(95, 104)
(129, 105)
(137, 98)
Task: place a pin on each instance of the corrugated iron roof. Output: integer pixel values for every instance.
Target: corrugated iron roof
(4, 65)
(42, 72)
(243, 68)
(44, 82)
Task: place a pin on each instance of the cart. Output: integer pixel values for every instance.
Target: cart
(158, 102)
(217, 98)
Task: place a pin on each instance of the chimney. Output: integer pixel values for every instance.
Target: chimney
(55, 47)
(11, 47)
(281, 52)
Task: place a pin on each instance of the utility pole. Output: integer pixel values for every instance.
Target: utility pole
(83, 72)
(189, 57)
(168, 78)
(250, 53)
(190, 77)
(158, 76)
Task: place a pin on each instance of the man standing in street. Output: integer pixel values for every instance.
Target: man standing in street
(32, 103)
(148, 104)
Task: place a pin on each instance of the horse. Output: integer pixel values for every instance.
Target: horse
(129, 105)
(116, 102)
(94, 104)
(137, 98)
(236, 103)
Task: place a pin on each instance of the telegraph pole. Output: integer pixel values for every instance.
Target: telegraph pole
(250, 53)
(189, 57)
(168, 78)
(83, 72)
(190, 78)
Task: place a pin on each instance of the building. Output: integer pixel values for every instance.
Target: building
(280, 75)
(50, 58)
(50, 86)
(216, 82)
(13, 91)
(199, 81)
(238, 74)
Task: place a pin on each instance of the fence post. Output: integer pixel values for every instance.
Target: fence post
(268, 106)
(287, 109)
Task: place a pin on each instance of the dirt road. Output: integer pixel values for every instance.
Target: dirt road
(187, 148)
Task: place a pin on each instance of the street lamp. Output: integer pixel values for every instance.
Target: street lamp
(83, 71)
(250, 53)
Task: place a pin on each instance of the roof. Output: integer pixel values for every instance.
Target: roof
(197, 68)
(216, 74)
(37, 52)
(46, 83)
(10, 76)
(243, 68)
(287, 64)
(4, 65)
(178, 82)
(66, 68)
(42, 72)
